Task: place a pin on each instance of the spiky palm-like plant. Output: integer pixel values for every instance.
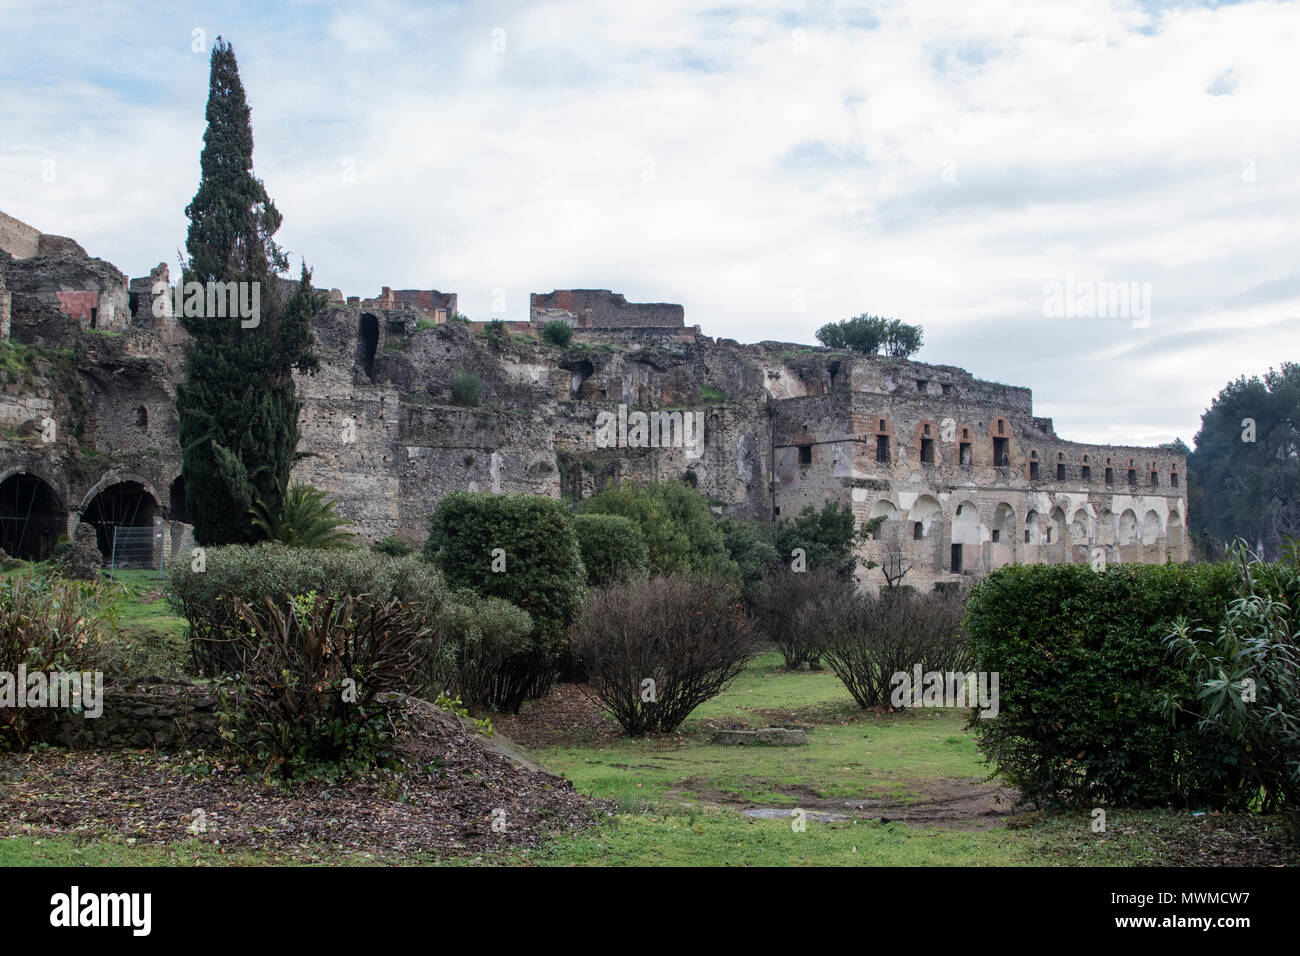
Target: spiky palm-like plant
(308, 520)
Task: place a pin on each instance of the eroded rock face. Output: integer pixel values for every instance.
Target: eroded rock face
(59, 246)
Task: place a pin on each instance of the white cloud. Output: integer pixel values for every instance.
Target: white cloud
(935, 162)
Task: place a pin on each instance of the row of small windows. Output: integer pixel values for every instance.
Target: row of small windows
(1001, 456)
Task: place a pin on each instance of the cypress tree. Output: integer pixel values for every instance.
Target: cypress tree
(239, 409)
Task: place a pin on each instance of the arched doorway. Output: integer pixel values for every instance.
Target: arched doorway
(31, 517)
(122, 515)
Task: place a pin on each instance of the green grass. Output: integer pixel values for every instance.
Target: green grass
(719, 838)
(679, 797)
(849, 754)
(70, 851)
(153, 634)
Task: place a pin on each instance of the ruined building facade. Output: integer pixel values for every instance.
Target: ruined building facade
(966, 476)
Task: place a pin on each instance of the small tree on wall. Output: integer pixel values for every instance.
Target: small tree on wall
(872, 335)
(895, 567)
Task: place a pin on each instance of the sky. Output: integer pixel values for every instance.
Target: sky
(997, 172)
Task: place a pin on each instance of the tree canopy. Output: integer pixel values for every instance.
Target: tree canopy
(1244, 474)
(872, 335)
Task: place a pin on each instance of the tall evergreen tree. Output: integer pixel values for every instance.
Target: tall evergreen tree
(239, 409)
(1245, 472)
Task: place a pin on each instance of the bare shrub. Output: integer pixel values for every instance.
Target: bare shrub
(866, 640)
(779, 607)
(690, 636)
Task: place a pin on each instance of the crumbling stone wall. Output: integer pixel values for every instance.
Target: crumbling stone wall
(17, 238)
(968, 477)
(601, 308)
(163, 716)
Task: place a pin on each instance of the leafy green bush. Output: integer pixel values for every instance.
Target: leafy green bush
(495, 332)
(680, 532)
(1082, 674)
(393, 546)
(465, 389)
(752, 545)
(1247, 671)
(557, 332)
(478, 636)
(825, 534)
(657, 649)
(254, 573)
(613, 548)
(521, 548)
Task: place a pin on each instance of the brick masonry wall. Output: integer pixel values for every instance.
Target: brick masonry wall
(17, 238)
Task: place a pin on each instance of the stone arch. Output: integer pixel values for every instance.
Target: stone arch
(884, 508)
(1105, 533)
(1057, 526)
(1150, 528)
(1128, 527)
(32, 516)
(1004, 524)
(1174, 534)
(966, 526)
(925, 511)
(1035, 528)
(1079, 527)
(115, 478)
(124, 504)
(177, 506)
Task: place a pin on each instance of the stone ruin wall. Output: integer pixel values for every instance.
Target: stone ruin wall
(785, 425)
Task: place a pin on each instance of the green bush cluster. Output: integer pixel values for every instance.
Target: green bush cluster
(523, 549)
(557, 332)
(465, 389)
(393, 546)
(613, 548)
(205, 595)
(681, 535)
(1083, 675)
